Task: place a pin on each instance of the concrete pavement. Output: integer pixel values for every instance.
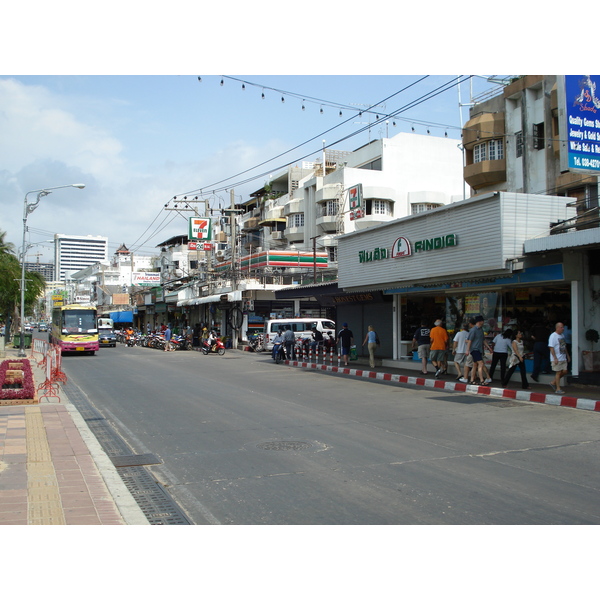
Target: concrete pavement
(52, 469)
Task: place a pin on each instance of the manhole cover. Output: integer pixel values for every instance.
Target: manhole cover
(135, 460)
(284, 446)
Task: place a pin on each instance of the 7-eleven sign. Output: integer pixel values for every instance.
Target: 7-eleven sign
(200, 229)
(355, 195)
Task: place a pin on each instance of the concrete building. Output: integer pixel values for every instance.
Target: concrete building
(74, 252)
(523, 249)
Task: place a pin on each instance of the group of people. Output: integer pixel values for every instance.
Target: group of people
(469, 346)
(345, 337)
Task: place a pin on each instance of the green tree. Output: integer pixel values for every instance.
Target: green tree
(10, 289)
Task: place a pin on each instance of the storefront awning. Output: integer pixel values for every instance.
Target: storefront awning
(274, 220)
(231, 297)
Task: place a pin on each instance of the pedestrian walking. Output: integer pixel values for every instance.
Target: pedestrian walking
(289, 340)
(438, 347)
(459, 346)
(421, 342)
(346, 339)
(372, 341)
(502, 344)
(560, 356)
(475, 348)
(167, 334)
(517, 360)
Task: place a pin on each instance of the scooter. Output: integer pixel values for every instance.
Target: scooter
(279, 353)
(217, 348)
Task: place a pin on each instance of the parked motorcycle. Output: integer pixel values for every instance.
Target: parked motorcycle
(256, 342)
(217, 348)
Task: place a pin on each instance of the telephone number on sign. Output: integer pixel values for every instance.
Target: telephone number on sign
(590, 162)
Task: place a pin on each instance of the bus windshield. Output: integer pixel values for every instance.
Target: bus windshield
(79, 321)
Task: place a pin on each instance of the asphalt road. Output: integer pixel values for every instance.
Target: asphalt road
(245, 441)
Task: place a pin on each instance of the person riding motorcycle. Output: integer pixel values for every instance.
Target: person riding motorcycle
(212, 339)
(277, 341)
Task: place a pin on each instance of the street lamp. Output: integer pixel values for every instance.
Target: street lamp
(27, 210)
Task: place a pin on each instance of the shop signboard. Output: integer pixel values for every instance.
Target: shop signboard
(200, 229)
(145, 279)
(582, 111)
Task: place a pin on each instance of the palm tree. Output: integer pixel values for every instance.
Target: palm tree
(6, 247)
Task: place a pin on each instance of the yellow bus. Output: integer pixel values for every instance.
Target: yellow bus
(74, 328)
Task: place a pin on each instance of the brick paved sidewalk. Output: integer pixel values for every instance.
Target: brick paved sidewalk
(47, 475)
(53, 471)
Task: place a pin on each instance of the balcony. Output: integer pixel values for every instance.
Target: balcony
(485, 173)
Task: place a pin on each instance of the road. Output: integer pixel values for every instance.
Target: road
(245, 441)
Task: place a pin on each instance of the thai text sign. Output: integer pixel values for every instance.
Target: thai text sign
(583, 121)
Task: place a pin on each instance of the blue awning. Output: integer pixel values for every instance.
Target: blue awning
(122, 316)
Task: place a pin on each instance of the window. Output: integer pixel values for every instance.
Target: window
(479, 153)
(491, 150)
(538, 136)
(379, 207)
(331, 208)
(519, 143)
(422, 207)
(495, 150)
(296, 220)
(333, 254)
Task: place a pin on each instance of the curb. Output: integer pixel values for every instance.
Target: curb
(455, 386)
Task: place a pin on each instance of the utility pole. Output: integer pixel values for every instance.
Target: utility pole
(314, 241)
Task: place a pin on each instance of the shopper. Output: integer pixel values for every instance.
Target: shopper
(346, 339)
(475, 348)
(421, 342)
(560, 356)
(459, 346)
(502, 344)
(517, 360)
(540, 333)
(371, 340)
(438, 347)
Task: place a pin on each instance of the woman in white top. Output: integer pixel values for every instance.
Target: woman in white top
(517, 360)
(500, 354)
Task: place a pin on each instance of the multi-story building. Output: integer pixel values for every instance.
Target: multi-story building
(523, 248)
(342, 192)
(46, 270)
(75, 252)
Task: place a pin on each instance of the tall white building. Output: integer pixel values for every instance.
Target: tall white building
(76, 252)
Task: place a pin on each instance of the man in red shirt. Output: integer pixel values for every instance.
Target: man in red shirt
(438, 347)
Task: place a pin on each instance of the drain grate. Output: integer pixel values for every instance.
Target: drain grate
(135, 460)
(285, 445)
(152, 498)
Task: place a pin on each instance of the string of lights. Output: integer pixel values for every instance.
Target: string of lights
(213, 188)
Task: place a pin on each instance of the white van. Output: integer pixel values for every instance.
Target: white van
(301, 327)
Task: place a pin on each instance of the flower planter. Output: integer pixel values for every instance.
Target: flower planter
(16, 383)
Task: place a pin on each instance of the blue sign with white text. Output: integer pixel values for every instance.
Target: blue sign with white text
(583, 121)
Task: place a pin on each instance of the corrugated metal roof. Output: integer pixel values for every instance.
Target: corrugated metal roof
(587, 237)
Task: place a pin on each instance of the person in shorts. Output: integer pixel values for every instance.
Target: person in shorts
(559, 355)
(475, 342)
(459, 347)
(421, 343)
(438, 347)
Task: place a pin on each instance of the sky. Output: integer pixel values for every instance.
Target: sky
(137, 141)
(112, 99)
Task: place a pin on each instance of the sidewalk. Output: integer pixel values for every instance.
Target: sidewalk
(52, 469)
(584, 397)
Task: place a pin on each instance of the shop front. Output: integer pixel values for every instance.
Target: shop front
(463, 260)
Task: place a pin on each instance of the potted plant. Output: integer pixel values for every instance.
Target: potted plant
(591, 360)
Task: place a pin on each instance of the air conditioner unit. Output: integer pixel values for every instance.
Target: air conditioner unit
(220, 255)
(277, 235)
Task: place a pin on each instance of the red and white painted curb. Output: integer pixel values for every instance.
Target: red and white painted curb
(456, 386)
